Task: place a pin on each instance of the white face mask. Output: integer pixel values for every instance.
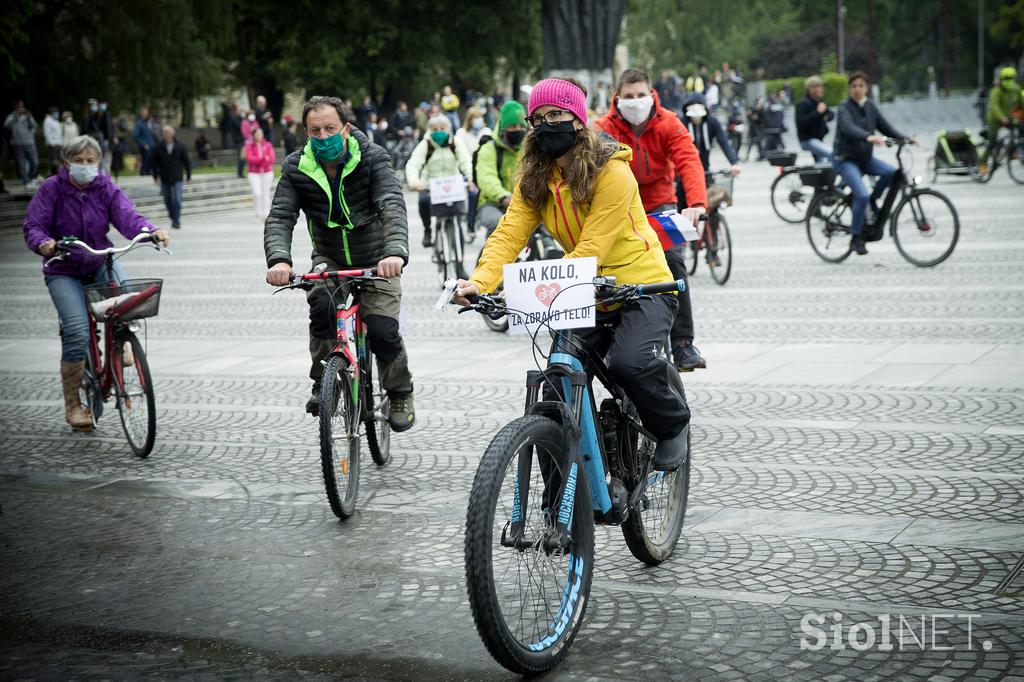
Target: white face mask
(696, 112)
(636, 111)
(83, 173)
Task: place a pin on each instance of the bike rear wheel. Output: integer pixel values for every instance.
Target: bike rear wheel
(339, 438)
(791, 197)
(925, 228)
(718, 246)
(136, 403)
(828, 226)
(528, 598)
(376, 414)
(652, 530)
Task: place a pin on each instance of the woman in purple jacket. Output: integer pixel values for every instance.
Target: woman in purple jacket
(78, 202)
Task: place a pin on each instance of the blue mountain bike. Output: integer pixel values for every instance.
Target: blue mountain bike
(545, 480)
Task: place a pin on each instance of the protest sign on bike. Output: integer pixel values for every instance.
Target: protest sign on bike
(558, 293)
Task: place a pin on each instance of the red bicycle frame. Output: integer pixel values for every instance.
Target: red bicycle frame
(342, 314)
(107, 374)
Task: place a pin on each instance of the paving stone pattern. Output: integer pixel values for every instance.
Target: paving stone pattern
(858, 446)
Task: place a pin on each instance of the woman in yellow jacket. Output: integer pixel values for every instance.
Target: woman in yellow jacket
(580, 185)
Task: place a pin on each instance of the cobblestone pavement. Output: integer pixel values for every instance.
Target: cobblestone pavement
(858, 451)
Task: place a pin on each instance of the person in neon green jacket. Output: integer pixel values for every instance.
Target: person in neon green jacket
(495, 166)
(1003, 100)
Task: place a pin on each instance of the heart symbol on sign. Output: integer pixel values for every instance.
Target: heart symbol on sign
(546, 292)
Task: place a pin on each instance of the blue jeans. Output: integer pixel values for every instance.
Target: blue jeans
(68, 295)
(851, 172)
(173, 194)
(25, 156)
(818, 149)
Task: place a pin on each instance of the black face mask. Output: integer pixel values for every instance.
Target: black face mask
(515, 138)
(555, 139)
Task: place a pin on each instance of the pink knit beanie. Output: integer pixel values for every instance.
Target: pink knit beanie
(558, 93)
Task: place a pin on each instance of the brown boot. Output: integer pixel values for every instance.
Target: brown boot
(79, 417)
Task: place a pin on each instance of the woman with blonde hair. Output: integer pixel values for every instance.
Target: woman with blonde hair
(580, 185)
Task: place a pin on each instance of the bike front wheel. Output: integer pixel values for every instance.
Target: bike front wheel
(718, 246)
(828, 226)
(136, 403)
(528, 587)
(339, 437)
(791, 197)
(90, 395)
(925, 227)
(1015, 161)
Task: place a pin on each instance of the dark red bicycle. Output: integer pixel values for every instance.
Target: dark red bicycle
(350, 402)
(120, 370)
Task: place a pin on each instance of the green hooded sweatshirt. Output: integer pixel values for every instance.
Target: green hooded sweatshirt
(495, 186)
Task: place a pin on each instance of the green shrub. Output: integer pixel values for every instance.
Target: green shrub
(835, 87)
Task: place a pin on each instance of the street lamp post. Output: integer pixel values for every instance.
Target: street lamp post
(840, 47)
(981, 44)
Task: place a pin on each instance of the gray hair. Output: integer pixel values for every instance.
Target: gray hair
(440, 119)
(79, 145)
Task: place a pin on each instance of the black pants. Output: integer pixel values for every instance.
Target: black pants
(424, 206)
(682, 327)
(632, 348)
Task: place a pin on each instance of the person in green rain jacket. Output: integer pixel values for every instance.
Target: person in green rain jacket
(495, 166)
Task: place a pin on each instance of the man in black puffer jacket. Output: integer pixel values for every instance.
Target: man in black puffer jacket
(356, 216)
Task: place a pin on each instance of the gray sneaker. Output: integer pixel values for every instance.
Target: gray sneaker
(403, 414)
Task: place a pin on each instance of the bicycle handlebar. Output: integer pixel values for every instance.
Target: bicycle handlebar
(605, 291)
(63, 246)
(894, 142)
(306, 281)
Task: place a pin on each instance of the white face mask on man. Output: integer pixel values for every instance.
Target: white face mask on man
(636, 111)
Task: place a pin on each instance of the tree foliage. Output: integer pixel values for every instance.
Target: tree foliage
(65, 51)
(893, 40)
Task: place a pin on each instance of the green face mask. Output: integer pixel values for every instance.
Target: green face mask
(440, 137)
(328, 149)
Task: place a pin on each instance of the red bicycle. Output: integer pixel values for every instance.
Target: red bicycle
(349, 400)
(119, 306)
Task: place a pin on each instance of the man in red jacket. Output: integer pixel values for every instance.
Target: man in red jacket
(662, 149)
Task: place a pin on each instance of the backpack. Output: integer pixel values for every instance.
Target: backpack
(499, 153)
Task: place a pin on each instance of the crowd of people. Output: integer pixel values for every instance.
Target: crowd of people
(588, 179)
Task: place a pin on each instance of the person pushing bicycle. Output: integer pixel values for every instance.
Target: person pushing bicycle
(81, 202)
(662, 149)
(579, 183)
(356, 214)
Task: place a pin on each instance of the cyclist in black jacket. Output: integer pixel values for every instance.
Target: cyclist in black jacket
(812, 117)
(855, 135)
